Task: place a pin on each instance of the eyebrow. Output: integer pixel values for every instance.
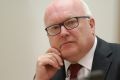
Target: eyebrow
(62, 21)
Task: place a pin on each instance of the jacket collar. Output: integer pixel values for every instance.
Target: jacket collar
(102, 57)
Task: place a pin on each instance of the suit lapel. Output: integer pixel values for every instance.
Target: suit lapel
(60, 74)
(102, 57)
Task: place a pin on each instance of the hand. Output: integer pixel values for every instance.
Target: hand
(48, 64)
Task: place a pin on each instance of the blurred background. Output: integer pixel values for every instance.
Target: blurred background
(22, 35)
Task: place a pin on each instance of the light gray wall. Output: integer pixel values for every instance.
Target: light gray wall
(118, 4)
(106, 13)
(22, 37)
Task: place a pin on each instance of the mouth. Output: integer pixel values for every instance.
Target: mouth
(65, 44)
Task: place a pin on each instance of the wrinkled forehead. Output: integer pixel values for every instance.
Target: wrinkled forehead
(61, 10)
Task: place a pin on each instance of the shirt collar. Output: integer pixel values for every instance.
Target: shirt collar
(87, 60)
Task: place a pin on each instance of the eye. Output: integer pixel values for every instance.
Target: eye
(71, 22)
(55, 27)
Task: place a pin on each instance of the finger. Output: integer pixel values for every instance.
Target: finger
(53, 50)
(53, 58)
(58, 58)
(47, 60)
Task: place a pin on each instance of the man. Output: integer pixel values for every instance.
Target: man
(71, 32)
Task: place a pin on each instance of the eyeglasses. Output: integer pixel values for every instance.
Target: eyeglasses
(68, 24)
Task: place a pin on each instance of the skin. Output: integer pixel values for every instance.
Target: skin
(70, 45)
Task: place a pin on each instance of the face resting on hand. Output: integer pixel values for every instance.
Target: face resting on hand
(70, 28)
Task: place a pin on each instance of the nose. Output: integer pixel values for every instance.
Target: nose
(64, 31)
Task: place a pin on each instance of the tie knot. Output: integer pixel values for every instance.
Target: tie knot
(74, 69)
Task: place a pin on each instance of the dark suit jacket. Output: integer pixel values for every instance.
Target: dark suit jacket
(106, 58)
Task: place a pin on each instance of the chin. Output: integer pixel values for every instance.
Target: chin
(69, 53)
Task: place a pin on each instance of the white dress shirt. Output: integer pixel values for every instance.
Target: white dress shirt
(86, 62)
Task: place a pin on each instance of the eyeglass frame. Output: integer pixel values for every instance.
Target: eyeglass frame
(62, 24)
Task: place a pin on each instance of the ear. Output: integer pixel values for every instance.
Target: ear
(92, 25)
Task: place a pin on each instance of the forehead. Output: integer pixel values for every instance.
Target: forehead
(59, 12)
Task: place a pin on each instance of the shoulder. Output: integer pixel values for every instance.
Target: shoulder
(104, 47)
(115, 46)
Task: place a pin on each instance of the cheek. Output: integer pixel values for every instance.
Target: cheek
(81, 35)
(77, 33)
(53, 42)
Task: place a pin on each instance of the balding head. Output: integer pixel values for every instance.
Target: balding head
(58, 10)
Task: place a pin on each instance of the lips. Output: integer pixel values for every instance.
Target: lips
(68, 42)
